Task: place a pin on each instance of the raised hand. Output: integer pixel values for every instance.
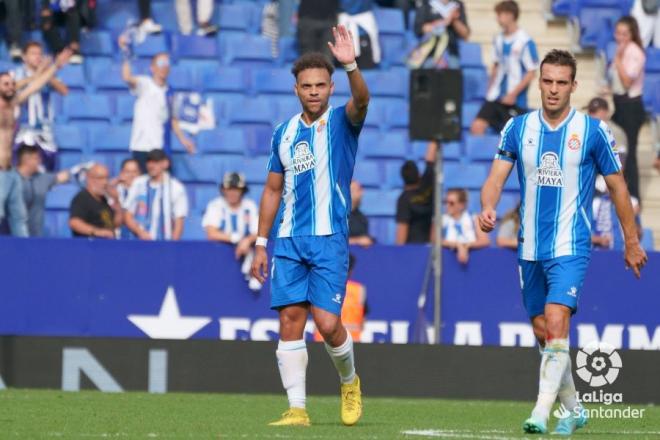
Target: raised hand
(342, 49)
(63, 57)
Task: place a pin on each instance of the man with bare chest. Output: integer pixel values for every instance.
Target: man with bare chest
(12, 206)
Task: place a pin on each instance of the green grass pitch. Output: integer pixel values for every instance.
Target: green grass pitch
(37, 414)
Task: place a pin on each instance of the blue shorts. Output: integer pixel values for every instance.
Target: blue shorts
(311, 269)
(556, 281)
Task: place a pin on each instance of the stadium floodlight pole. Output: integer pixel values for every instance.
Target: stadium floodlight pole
(437, 247)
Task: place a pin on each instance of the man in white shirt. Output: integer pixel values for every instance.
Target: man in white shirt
(152, 107)
(232, 218)
(515, 61)
(157, 204)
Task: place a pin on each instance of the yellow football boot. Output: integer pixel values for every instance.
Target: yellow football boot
(351, 402)
(292, 417)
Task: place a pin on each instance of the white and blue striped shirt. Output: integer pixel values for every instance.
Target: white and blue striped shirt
(317, 161)
(515, 55)
(557, 169)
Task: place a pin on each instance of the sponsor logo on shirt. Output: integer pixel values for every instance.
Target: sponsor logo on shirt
(530, 142)
(549, 173)
(574, 142)
(303, 159)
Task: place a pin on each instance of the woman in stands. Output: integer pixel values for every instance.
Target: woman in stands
(626, 76)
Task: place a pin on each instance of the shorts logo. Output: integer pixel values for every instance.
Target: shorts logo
(574, 142)
(549, 173)
(337, 298)
(303, 159)
(572, 292)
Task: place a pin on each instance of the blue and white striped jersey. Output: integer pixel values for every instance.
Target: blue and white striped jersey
(515, 55)
(557, 169)
(317, 162)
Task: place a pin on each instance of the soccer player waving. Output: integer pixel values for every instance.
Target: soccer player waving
(558, 152)
(310, 170)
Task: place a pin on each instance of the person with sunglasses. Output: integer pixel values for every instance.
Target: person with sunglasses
(459, 228)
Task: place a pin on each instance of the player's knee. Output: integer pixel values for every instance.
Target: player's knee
(329, 329)
(555, 325)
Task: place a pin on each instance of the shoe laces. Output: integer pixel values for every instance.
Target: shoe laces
(350, 399)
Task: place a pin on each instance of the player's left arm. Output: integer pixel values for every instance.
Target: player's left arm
(177, 230)
(344, 52)
(635, 256)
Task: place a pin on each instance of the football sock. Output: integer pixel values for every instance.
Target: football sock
(567, 395)
(553, 365)
(342, 357)
(292, 362)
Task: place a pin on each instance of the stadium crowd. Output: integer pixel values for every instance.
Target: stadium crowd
(147, 201)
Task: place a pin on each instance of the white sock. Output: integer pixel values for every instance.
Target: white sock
(292, 362)
(567, 394)
(342, 357)
(553, 365)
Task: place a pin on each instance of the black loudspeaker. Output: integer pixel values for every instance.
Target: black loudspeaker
(436, 98)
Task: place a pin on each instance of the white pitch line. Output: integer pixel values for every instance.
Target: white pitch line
(454, 434)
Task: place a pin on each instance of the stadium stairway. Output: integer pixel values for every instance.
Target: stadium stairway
(554, 34)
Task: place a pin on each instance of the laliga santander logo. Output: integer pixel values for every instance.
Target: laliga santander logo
(598, 364)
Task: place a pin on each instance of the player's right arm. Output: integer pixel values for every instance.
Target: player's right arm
(491, 192)
(270, 203)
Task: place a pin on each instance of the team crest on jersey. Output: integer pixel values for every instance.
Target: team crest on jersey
(574, 142)
(549, 173)
(303, 159)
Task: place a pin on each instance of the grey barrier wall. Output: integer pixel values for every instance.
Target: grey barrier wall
(249, 367)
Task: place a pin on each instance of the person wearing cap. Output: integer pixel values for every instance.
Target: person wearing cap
(157, 204)
(233, 218)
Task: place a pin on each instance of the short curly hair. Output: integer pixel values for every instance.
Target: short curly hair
(558, 57)
(312, 60)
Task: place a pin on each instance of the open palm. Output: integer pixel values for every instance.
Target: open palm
(342, 48)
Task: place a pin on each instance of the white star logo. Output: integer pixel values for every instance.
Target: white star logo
(169, 324)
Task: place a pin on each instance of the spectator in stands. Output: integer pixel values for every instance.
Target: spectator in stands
(599, 108)
(358, 223)
(439, 24)
(315, 22)
(56, 13)
(37, 121)
(414, 208)
(626, 75)
(130, 170)
(152, 108)
(157, 204)
(606, 232)
(515, 63)
(648, 17)
(91, 213)
(358, 17)
(204, 14)
(36, 185)
(507, 235)
(459, 228)
(147, 24)
(13, 17)
(12, 206)
(233, 218)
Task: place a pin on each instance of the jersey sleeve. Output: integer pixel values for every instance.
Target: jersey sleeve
(212, 215)
(140, 85)
(274, 162)
(254, 218)
(507, 148)
(130, 203)
(604, 151)
(180, 202)
(530, 56)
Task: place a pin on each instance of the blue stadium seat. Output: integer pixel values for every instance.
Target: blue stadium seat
(70, 138)
(255, 169)
(397, 116)
(390, 21)
(342, 88)
(392, 145)
(475, 83)
(251, 50)
(481, 148)
(287, 106)
(273, 81)
(469, 112)
(66, 159)
(87, 106)
(508, 201)
(152, 45)
(116, 15)
(258, 140)
(193, 229)
(450, 150)
(125, 105)
(60, 196)
(96, 43)
(647, 241)
(512, 183)
(225, 140)
(391, 83)
(176, 146)
(106, 76)
(194, 46)
(394, 52)
(197, 168)
(252, 110)
(470, 54)
(288, 48)
(368, 173)
(392, 170)
(561, 8)
(56, 224)
(236, 16)
(203, 194)
(73, 76)
(596, 25)
(226, 79)
(182, 79)
(470, 176)
(379, 202)
(652, 60)
(651, 86)
(382, 229)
